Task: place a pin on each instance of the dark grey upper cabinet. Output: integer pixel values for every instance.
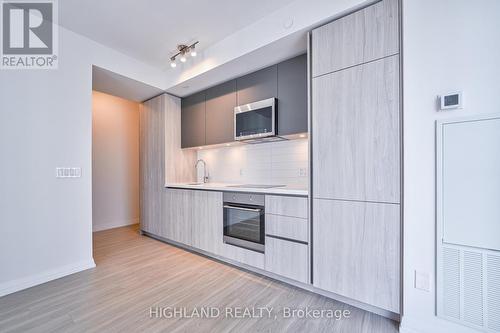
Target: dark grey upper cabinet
(292, 96)
(220, 103)
(193, 120)
(257, 86)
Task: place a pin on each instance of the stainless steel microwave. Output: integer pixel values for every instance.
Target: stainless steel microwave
(255, 120)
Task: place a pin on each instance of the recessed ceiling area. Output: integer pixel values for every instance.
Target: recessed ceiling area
(118, 85)
(150, 30)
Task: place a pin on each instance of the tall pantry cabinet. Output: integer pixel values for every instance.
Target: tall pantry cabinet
(356, 156)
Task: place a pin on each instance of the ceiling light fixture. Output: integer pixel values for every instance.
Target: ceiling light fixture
(182, 50)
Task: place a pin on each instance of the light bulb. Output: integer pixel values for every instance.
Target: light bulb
(193, 51)
(183, 58)
(173, 64)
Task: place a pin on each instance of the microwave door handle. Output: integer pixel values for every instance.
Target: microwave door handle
(243, 208)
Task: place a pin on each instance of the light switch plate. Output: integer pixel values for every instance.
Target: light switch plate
(68, 172)
(422, 281)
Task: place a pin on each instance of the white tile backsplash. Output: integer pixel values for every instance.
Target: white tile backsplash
(267, 163)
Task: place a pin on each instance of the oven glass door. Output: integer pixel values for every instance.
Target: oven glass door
(246, 223)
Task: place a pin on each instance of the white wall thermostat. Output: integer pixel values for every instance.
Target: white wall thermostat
(451, 101)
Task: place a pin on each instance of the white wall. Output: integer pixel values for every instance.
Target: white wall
(115, 162)
(45, 122)
(267, 163)
(448, 45)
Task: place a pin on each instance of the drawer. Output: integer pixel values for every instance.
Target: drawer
(288, 206)
(289, 227)
(288, 259)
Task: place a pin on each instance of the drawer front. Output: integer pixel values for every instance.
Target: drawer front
(288, 259)
(288, 206)
(288, 227)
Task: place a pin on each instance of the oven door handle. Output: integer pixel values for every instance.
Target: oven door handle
(243, 208)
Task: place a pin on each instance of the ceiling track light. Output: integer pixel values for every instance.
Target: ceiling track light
(183, 50)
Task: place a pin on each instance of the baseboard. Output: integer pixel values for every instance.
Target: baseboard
(105, 225)
(10, 287)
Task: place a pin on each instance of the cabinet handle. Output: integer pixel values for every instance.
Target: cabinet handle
(243, 208)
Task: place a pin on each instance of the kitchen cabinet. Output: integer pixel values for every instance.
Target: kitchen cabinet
(356, 146)
(257, 86)
(193, 120)
(219, 116)
(288, 259)
(161, 160)
(368, 34)
(287, 237)
(356, 156)
(357, 251)
(287, 205)
(193, 218)
(177, 216)
(152, 157)
(208, 116)
(288, 227)
(206, 221)
(292, 96)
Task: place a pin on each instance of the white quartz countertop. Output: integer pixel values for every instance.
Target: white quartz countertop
(228, 187)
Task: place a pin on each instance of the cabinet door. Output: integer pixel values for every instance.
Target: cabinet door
(257, 86)
(356, 149)
(207, 221)
(177, 215)
(152, 158)
(288, 259)
(368, 34)
(356, 251)
(193, 120)
(220, 103)
(292, 96)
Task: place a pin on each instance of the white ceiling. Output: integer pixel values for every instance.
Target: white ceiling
(150, 30)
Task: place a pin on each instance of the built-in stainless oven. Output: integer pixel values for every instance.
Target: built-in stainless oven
(255, 120)
(244, 220)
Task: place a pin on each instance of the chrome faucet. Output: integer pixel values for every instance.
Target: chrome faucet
(205, 175)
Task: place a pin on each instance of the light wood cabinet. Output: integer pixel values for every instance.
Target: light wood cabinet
(287, 205)
(368, 34)
(356, 152)
(356, 144)
(288, 259)
(161, 161)
(178, 216)
(357, 251)
(207, 228)
(295, 228)
(152, 166)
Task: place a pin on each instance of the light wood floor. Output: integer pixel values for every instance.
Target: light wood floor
(135, 273)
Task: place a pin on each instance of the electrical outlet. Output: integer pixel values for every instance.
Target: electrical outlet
(303, 172)
(422, 281)
(241, 172)
(68, 172)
